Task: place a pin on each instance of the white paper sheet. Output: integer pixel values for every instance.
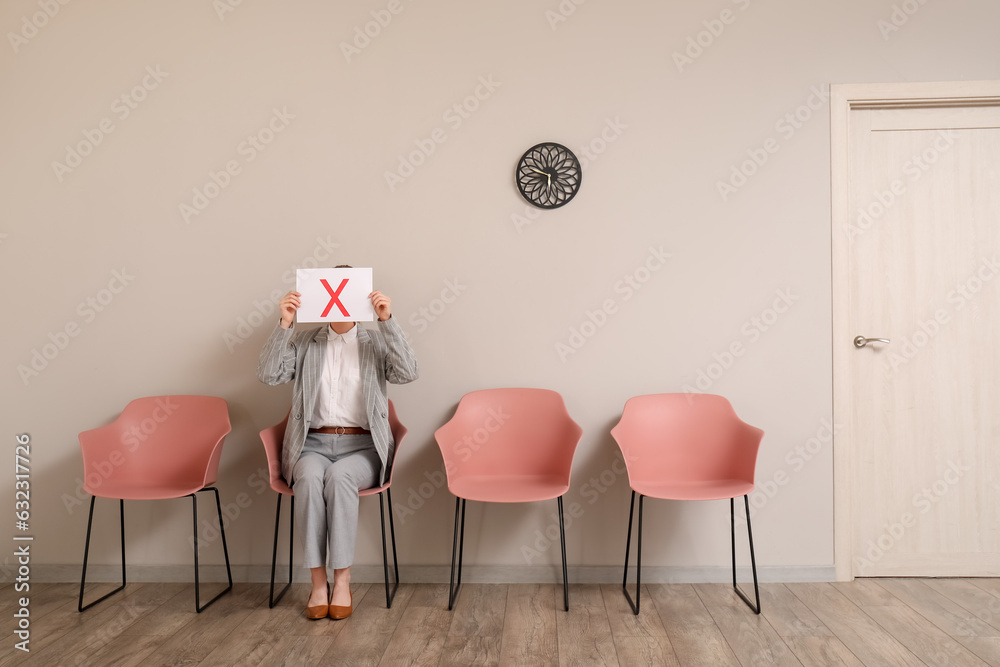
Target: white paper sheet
(334, 295)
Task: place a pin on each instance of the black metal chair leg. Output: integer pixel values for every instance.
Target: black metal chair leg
(222, 529)
(461, 547)
(628, 538)
(392, 538)
(562, 537)
(638, 556)
(274, 552)
(458, 541)
(86, 553)
(454, 546)
(389, 595)
(753, 560)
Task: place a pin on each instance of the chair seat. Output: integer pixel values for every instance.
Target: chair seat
(284, 489)
(140, 491)
(279, 486)
(509, 488)
(375, 490)
(712, 490)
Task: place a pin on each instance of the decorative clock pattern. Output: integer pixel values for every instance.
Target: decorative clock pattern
(548, 175)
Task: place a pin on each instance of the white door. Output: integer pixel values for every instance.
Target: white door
(917, 262)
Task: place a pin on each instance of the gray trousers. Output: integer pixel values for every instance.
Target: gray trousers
(328, 475)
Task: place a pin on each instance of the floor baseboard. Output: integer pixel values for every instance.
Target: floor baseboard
(437, 574)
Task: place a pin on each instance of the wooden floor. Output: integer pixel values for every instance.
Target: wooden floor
(877, 622)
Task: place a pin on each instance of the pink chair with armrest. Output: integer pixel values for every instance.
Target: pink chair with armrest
(273, 438)
(507, 446)
(159, 447)
(687, 447)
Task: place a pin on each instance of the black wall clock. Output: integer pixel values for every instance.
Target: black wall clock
(548, 175)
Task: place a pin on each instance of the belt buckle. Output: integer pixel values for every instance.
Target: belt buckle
(339, 430)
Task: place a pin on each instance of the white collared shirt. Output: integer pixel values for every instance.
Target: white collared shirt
(340, 399)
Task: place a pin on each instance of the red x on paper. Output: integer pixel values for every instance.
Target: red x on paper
(335, 297)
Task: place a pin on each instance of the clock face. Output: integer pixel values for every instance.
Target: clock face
(548, 175)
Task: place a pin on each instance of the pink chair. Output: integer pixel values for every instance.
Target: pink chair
(273, 438)
(158, 448)
(507, 446)
(687, 447)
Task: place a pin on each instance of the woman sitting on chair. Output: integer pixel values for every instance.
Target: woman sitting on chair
(337, 441)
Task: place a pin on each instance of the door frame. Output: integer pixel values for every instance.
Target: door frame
(845, 98)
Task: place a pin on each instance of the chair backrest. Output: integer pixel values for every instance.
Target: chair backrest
(398, 433)
(159, 442)
(509, 432)
(273, 437)
(686, 438)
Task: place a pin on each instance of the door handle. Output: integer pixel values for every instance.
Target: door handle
(861, 341)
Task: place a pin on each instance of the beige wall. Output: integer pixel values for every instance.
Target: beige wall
(662, 135)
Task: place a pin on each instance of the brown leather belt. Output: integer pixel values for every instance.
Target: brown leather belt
(341, 430)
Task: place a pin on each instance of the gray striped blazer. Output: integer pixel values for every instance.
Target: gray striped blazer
(290, 355)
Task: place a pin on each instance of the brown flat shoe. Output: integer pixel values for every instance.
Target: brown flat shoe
(339, 613)
(320, 610)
